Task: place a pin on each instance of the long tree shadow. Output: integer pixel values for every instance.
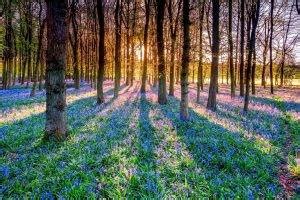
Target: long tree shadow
(232, 165)
(76, 163)
(19, 97)
(145, 182)
(289, 105)
(263, 120)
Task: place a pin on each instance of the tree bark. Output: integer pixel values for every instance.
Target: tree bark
(173, 32)
(74, 42)
(132, 65)
(200, 64)
(253, 71)
(38, 53)
(117, 48)
(242, 40)
(101, 59)
(8, 44)
(251, 45)
(265, 50)
(56, 126)
(230, 44)
(213, 87)
(145, 60)
(162, 97)
(270, 47)
(184, 114)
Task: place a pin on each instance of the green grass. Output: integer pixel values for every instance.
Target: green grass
(136, 149)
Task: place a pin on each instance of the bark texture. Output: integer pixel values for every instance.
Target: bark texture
(56, 127)
(213, 87)
(184, 114)
(162, 96)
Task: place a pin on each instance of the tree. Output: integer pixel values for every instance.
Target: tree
(38, 53)
(8, 44)
(132, 65)
(284, 48)
(184, 114)
(230, 44)
(56, 126)
(173, 31)
(250, 46)
(162, 97)
(101, 59)
(212, 96)
(265, 50)
(74, 41)
(242, 48)
(270, 46)
(117, 48)
(200, 64)
(144, 75)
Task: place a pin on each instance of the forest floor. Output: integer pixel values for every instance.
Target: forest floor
(133, 147)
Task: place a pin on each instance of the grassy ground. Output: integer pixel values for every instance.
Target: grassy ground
(133, 147)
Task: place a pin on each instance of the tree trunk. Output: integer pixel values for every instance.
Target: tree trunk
(162, 97)
(284, 49)
(173, 32)
(184, 114)
(230, 44)
(242, 48)
(253, 71)
(132, 65)
(56, 126)
(213, 87)
(127, 42)
(74, 42)
(29, 42)
(101, 59)
(38, 53)
(144, 75)
(200, 64)
(117, 49)
(265, 50)
(270, 47)
(250, 47)
(8, 44)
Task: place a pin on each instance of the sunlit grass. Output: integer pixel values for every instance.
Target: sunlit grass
(133, 147)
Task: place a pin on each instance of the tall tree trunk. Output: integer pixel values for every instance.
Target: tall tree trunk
(74, 42)
(242, 48)
(132, 65)
(250, 47)
(173, 32)
(265, 50)
(56, 126)
(29, 41)
(253, 71)
(184, 114)
(213, 87)
(117, 48)
(8, 44)
(145, 61)
(38, 53)
(101, 59)
(284, 49)
(230, 44)
(162, 97)
(270, 46)
(236, 76)
(127, 43)
(200, 64)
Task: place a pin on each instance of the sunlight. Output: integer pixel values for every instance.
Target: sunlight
(139, 52)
